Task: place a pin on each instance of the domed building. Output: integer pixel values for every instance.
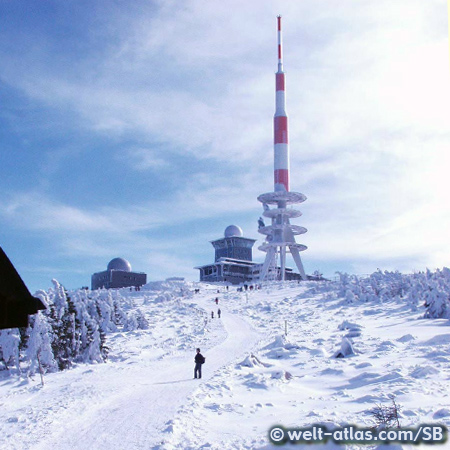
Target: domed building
(233, 259)
(118, 275)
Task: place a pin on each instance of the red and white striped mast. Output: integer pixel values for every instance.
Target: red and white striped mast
(280, 125)
(280, 236)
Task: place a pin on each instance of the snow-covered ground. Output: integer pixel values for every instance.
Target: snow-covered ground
(255, 376)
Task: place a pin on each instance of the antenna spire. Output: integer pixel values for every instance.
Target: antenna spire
(281, 141)
(280, 51)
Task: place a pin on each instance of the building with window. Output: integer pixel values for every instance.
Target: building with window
(118, 275)
(233, 259)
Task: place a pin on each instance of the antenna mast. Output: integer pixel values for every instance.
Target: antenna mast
(280, 236)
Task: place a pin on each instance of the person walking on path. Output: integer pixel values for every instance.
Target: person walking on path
(212, 314)
(217, 300)
(219, 312)
(199, 360)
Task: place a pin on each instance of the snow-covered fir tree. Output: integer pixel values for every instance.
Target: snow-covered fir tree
(39, 351)
(9, 348)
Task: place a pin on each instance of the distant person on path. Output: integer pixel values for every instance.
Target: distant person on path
(219, 312)
(212, 314)
(217, 300)
(199, 360)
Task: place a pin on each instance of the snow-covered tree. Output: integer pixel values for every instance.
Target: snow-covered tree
(39, 350)
(437, 303)
(141, 320)
(136, 321)
(62, 320)
(9, 348)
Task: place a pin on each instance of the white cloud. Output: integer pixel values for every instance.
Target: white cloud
(142, 159)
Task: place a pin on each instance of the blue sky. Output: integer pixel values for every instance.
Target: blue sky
(142, 129)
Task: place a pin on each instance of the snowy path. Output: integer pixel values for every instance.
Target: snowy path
(137, 415)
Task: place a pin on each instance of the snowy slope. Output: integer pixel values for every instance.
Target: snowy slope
(297, 382)
(255, 376)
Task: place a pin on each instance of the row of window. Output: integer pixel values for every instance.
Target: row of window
(128, 277)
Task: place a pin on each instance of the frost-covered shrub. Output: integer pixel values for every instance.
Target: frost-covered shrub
(346, 349)
(429, 289)
(141, 320)
(437, 295)
(136, 321)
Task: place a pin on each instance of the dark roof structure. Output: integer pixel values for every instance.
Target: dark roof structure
(16, 302)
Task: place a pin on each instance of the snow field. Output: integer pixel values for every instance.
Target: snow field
(255, 376)
(295, 381)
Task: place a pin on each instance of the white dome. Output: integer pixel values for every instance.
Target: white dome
(233, 230)
(119, 264)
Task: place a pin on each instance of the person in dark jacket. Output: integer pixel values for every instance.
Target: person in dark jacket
(199, 360)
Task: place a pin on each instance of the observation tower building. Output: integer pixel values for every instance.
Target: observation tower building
(233, 259)
(280, 235)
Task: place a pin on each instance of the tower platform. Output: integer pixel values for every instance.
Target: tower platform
(274, 198)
